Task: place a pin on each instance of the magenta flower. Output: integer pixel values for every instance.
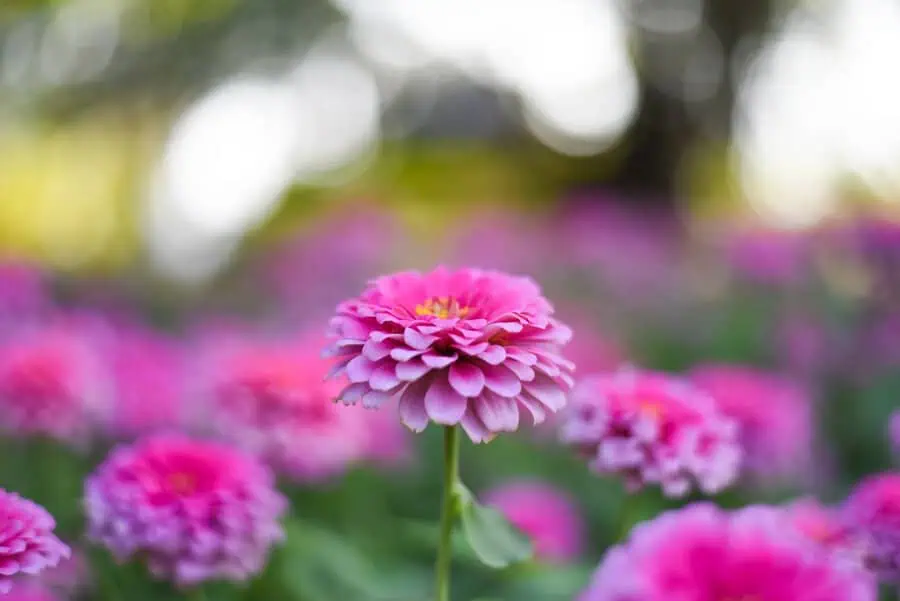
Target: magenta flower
(873, 510)
(775, 257)
(545, 514)
(829, 529)
(27, 543)
(23, 294)
(466, 347)
(194, 510)
(273, 400)
(653, 428)
(52, 383)
(702, 553)
(774, 415)
(147, 380)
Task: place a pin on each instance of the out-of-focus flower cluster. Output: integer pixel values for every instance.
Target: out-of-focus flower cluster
(751, 366)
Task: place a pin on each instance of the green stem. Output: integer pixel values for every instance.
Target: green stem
(448, 513)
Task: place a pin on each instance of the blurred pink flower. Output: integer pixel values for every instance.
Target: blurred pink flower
(195, 511)
(23, 294)
(634, 251)
(873, 510)
(147, 375)
(272, 399)
(502, 239)
(653, 428)
(466, 347)
(547, 515)
(30, 591)
(769, 256)
(702, 553)
(52, 383)
(590, 349)
(827, 527)
(774, 415)
(311, 271)
(27, 543)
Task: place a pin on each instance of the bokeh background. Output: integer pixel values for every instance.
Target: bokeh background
(691, 181)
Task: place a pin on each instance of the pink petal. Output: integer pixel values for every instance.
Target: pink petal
(501, 380)
(376, 398)
(466, 379)
(472, 349)
(476, 430)
(353, 393)
(375, 350)
(443, 404)
(411, 370)
(547, 392)
(522, 355)
(405, 354)
(417, 340)
(495, 355)
(438, 361)
(384, 376)
(497, 413)
(360, 369)
(412, 406)
(538, 414)
(522, 371)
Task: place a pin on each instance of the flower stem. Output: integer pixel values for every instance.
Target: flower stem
(448, 513)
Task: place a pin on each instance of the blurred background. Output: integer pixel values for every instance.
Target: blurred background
(691, 181)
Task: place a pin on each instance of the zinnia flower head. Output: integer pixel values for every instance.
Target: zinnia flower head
(27, 543)
(702, 553)
(544, 514)
(52, 383)
(465, 346)
(774, 415)
(195, 510)
(828, 528)
(653, 428)
(273, 400)
(147, 376)
(873, 510)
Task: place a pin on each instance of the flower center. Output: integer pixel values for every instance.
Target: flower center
(652, 410)
(182, 483)
(442, 307)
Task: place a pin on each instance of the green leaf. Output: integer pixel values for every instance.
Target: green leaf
(496, 542)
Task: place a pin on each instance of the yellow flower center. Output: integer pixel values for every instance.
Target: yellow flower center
(443, 307)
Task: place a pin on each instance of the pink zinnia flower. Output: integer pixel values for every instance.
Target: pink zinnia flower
(828, 528)
(52, 383)
(27, 543)
(653, 428)
(147, 380)
(702, 553)
(873, 509)
(23, 294)
(466, 347)
(774, 414)
(273, 400)
(545, 514)
(195, 510)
